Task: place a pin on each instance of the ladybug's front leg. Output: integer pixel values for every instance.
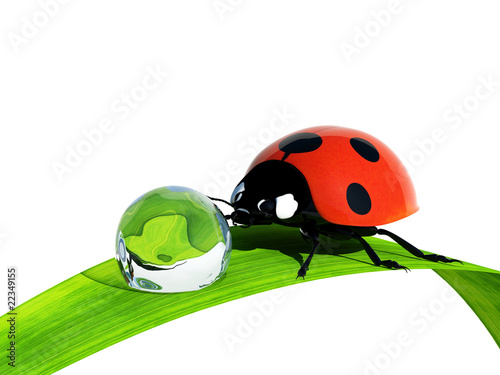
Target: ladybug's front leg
(309, 232)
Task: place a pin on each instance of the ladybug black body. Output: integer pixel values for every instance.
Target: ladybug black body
(329, 180)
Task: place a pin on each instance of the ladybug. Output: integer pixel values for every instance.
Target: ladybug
(329, 180)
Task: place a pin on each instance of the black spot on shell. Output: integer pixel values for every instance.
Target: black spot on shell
(365, 149)
(300, 143)
(358, 199)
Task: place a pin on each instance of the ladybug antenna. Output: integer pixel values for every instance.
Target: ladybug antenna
(221, 200)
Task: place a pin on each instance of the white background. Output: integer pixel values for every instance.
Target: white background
(232, 66)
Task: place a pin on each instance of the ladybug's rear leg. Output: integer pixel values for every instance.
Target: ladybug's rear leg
(375, 258)
(412, 249)
(309, 232)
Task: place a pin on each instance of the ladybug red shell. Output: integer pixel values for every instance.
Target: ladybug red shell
(354, 178)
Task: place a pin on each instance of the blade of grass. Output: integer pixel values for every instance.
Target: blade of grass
(481, 291)
(96, 309)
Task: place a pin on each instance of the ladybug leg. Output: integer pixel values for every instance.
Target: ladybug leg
(308, 232)
(358, 233)
(375, 258)
(412, 249)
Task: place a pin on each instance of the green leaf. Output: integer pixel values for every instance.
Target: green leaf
(481, 291)
(96, 309)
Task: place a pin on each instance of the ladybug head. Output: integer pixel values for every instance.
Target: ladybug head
(272, 191)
